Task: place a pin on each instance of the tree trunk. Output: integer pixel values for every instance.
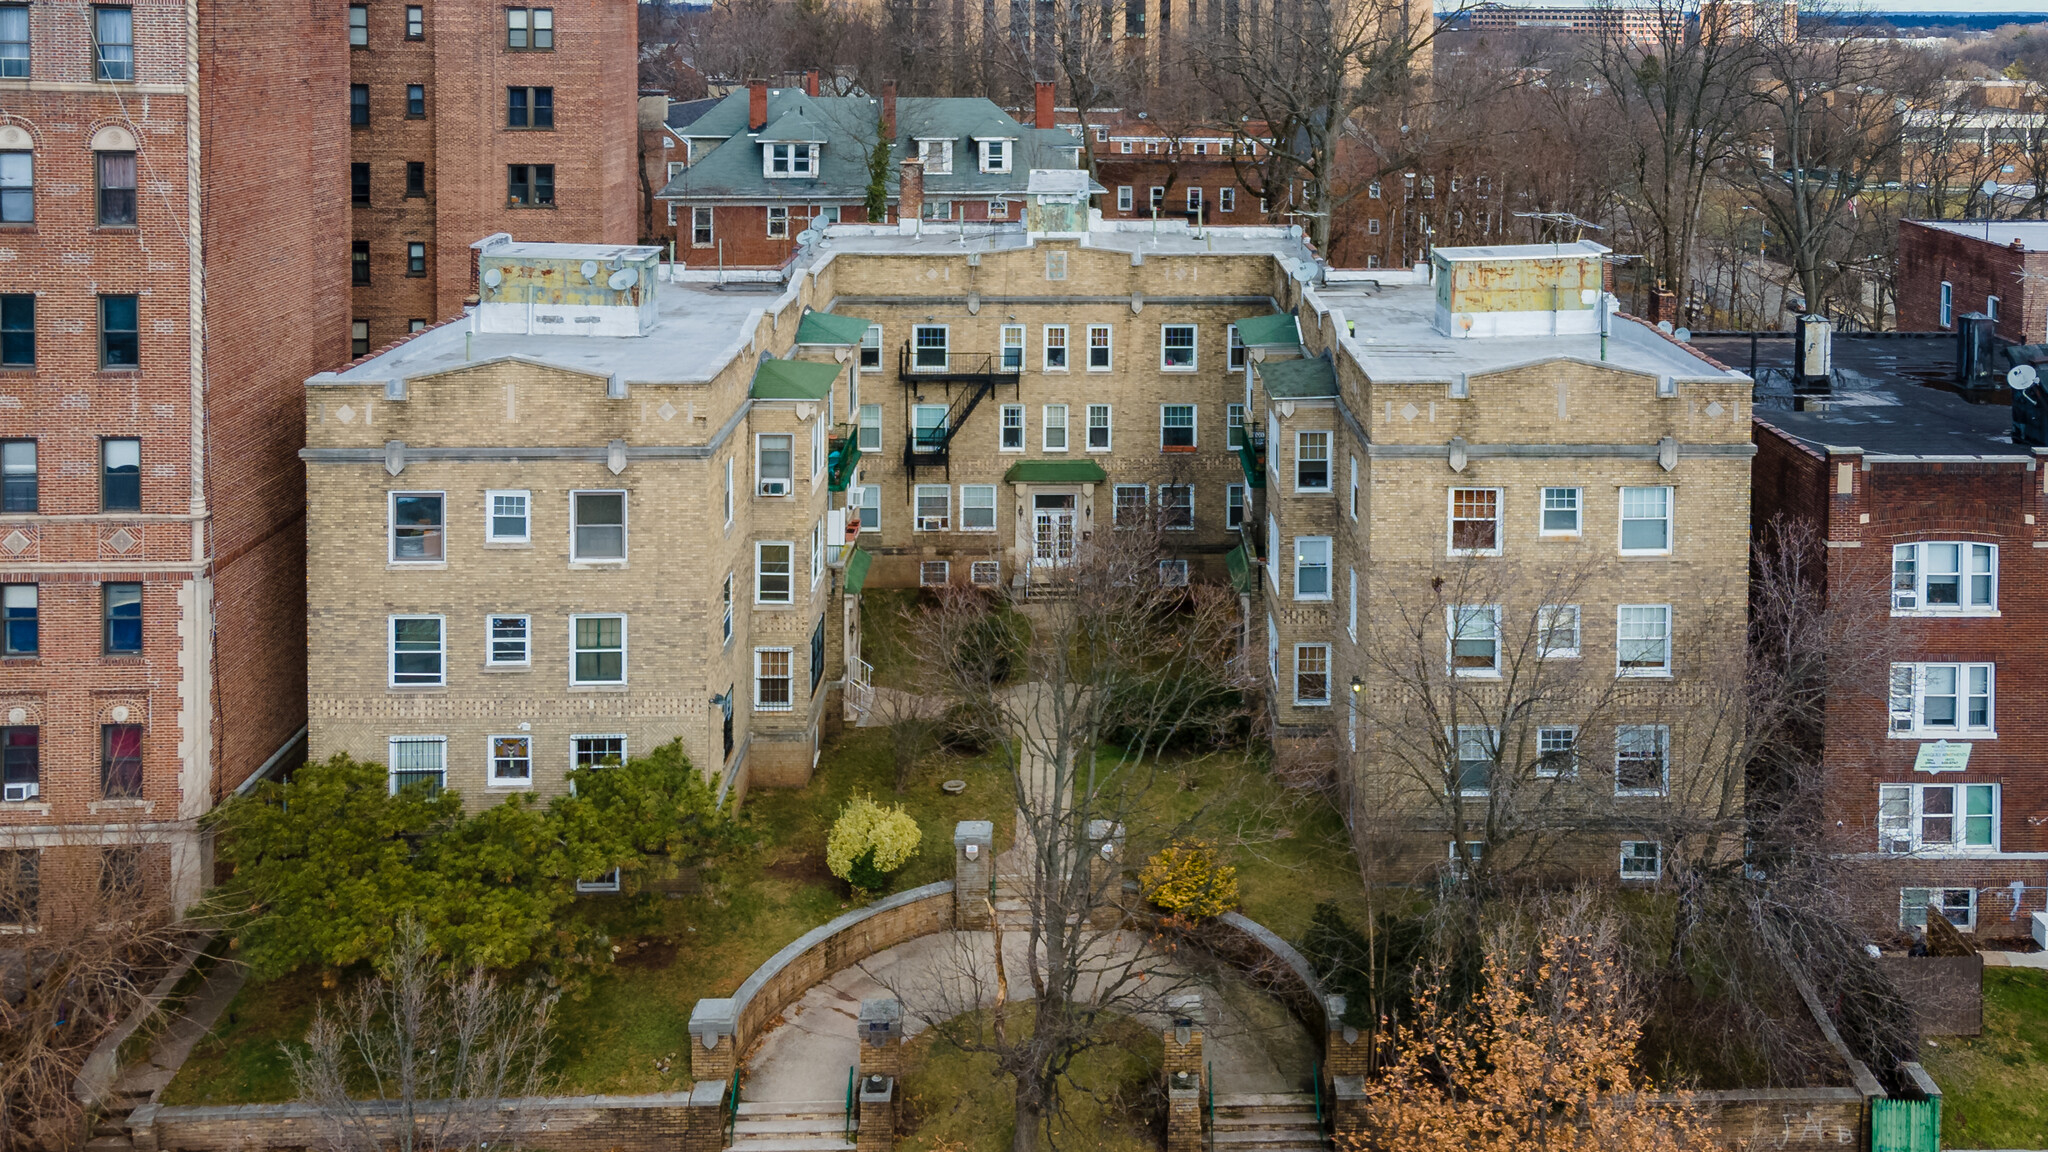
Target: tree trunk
(1025, 1139)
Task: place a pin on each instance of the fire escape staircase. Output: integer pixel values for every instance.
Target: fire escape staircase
(968, 377)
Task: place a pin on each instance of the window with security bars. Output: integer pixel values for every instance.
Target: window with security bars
(1641, 860)
(1937, 818)
(1642, 759)
(1173, 573)
(597, 751)
(1937, 577)
(985, 573)
(511, 761)
(1956, 905)
(1475, 522)
(934, 574)
(419, 762)
(120, 760)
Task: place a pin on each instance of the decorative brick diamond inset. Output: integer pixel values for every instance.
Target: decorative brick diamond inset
(122, 540)
(16, 543)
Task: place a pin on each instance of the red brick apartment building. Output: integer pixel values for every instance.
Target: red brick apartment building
(173, 234)
(1950, 268)
(468, 118)
(1937, 778)
(1183, 171)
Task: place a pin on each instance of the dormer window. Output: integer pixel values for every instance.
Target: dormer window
(786, 160)
(937, 156)
(995, 155)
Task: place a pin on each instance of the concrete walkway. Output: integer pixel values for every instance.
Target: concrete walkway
(1250, 1040)
(2016, 959)
(168, 1052)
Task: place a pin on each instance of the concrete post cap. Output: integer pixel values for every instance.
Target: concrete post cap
(1348, 1087)
(1186, 1006)
(1334, 1006)
(877, 1089)
(712, 1018)
(982, 832)
(881, 1010)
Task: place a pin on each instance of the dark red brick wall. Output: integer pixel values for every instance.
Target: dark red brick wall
(1977, 268)
(743, 231)
(1176, 174)
(392, 219)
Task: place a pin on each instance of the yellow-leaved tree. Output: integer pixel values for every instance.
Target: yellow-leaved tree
(1542, 1058)
(869, 842)
(1188, 880)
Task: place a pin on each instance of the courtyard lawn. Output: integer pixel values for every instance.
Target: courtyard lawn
(956, 1101)
(1994, 1087)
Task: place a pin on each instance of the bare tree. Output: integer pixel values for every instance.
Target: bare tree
(424, 1060)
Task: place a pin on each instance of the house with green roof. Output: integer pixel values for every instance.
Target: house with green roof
(764, 163)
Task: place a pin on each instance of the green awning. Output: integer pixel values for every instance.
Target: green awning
(825, 328)
(1242, 577)
(1253, 463)
(1297, 379)
(857, 563)
(1269, 331)
(1055, 472)
(793, 380)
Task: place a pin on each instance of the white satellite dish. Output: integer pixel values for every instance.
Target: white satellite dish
(808, 236)
(2022, 377)
(1305, 271)
(623, 279)
(590, 271)
(493, 277)
(1683, 335)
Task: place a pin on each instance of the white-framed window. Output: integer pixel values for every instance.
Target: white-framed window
(1354, 487)
(817, 451)
(1642, 759)
(1557, 631)
(1642, 860)
(1127, 505)
(1194, 198)
(597, 649)
(1098, 427)
(597, 526)
(1311, 675)
(511, 641)
(607, 751)
(817, 552)
(1234, 343)
(1054, 354)
(511, 760)
(1645, 521)
(1473, 636)
(774, 464)
(1053, 433)
(1477, 749)
(1557, 750)
(1173, 573)
(937, 156)
(1233, 426)
(700, 227)
(603, 882)
(985, 573)
(1562, 511)
(868, 503)
(510, 520)
(419, 651)
(1351, 607)
(999, 209)
(1957, 905)
(1012, 429)
(1948, 304)
(1311, 567)
(1943, 700)
(419, 762)
(1157, 199)
(1475, 522)
(783, 161)
(1373, 190)
(1311, 461)
(1177, 347)
(773, 685)
(1273, 541)
(772, 584)
(1472, 857)
(1226, 199)
(778, 223)
(934, 573)
(1937, 818)
(1101, 343)
(928, 426)
(1273, 649)
(419, 527)
(1124, 199)
(929, 348)
(1642, 640)
(725, 610)
(1941, 577)
(1233, 506)
(1013, 347)
(1372, 226)
(977, 507)
(870, 428)
(934, 508)
(1177, 427)
(729, 491)
(1177, 507)
(871, 347)
(995, 155)
(1991, 308)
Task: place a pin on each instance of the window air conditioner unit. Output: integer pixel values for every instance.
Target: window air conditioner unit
(774, 487)
(931, 523)
(19, 792)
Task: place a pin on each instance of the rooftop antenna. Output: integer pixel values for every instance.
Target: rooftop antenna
(1563, 219)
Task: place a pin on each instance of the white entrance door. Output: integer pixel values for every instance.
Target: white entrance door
(1052, 523)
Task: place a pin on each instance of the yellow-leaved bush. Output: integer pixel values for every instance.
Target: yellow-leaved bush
(868, 842)
(1187, 879)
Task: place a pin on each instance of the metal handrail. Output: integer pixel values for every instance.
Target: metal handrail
(1209, 1111)
(732, 1114)
(851, 1073)
(1316, 1086)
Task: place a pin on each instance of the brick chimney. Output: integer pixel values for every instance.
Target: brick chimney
(910, 194)
(1041, 108)
(811, 82)
(889, 109)
(757, 105)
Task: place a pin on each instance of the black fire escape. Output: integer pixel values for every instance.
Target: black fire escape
(968, 378)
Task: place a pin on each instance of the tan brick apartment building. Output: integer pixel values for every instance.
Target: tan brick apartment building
(534, 548)
(469, 118)
(173, 239)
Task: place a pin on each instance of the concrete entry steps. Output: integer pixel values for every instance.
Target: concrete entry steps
(790, 1126)
(1267, 1122)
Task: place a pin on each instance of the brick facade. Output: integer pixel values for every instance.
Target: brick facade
(1975, 268)
(464, 140)
(229, 103)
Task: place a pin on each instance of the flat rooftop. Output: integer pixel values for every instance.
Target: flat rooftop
(2032, 234)
(1394, 337)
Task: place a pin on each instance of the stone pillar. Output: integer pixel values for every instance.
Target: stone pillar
(877, 1114)
(704, 1120)
(1346, 1051)
(1184, 1037)
(881, 1038)
(1105, 872)
(974, 862)
(1347, 1107)
(1183, 1118)
(714, 1028)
